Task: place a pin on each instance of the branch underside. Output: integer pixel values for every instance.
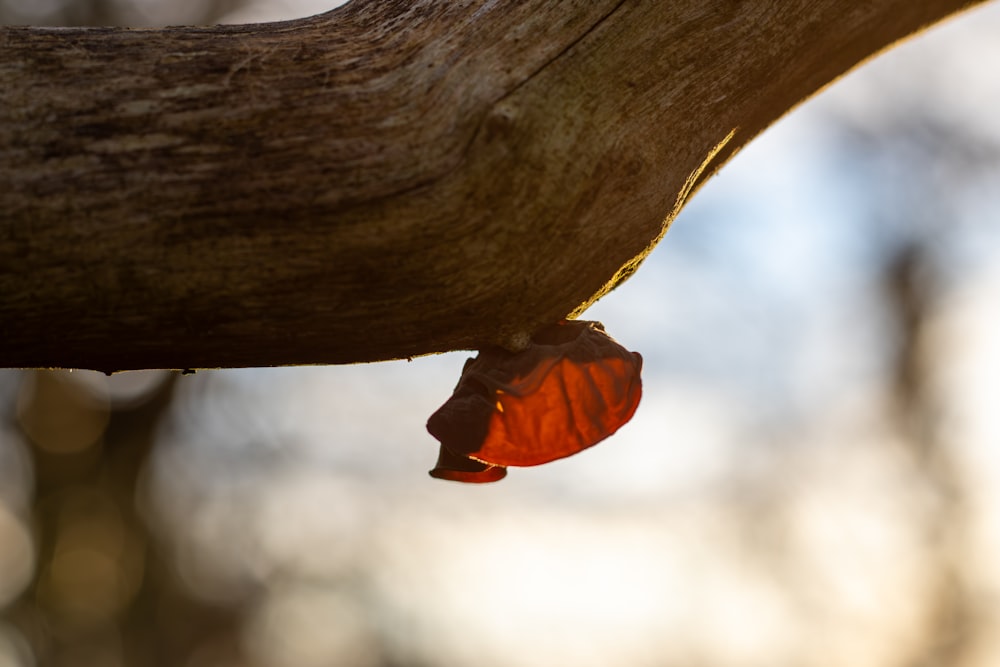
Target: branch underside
(385, 180)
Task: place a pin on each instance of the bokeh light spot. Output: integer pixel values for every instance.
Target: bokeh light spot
(59, 415)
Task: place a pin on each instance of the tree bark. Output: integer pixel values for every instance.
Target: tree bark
(384, 180)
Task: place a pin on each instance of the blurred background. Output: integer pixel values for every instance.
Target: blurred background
(812, 479)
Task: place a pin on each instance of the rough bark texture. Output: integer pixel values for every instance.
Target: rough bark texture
(384, 180)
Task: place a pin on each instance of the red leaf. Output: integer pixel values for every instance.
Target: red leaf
(571, 388)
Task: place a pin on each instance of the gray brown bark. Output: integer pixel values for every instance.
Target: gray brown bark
(384, 180)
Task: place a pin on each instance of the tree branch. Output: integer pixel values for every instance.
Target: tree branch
(384, 180)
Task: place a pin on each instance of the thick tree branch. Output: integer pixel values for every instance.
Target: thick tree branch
(387, 179)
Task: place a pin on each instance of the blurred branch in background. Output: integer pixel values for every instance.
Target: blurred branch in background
(812, 478)
(133, 13)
